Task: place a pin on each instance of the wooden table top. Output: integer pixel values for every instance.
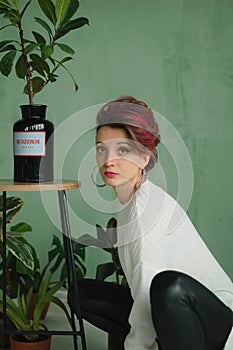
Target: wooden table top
(56, 185)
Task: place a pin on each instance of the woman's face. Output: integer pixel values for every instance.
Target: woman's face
(118, 158)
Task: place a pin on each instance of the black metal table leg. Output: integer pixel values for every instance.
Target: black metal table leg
(71, 271)
(4, 279)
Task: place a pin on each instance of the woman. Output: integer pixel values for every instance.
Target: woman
(179, 296)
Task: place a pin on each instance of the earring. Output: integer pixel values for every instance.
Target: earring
(93, 178)
(138, 184)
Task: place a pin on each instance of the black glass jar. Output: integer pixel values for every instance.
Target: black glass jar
(33, 145)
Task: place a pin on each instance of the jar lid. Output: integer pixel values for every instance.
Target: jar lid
(33, 111)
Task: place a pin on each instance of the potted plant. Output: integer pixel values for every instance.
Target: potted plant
(17, 312)
(36, 59)
(17, 246)
(18, 250)
(56, 265)
(13, 242)
(23, 270)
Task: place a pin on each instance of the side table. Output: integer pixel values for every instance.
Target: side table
(60, 186)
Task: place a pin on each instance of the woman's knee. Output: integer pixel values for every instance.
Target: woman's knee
(166, 287)
(164, 281)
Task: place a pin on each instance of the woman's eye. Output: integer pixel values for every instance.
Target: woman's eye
(100, 149)
(123, 150)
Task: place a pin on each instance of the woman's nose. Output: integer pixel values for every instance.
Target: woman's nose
(109, 162)
(110, 159)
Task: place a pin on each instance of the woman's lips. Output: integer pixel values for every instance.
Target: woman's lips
(110, 174)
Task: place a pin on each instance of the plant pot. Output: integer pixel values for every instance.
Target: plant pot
(33, 145)
(9, 325)
(115, 342)
(17, 343)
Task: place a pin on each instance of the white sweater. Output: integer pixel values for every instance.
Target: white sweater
(155, 234)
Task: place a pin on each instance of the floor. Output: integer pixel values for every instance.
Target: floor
(56, 320)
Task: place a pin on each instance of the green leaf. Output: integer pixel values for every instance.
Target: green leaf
(3, 12)
(55, 287)
(39, 64)
(56, 241)
(44, 295)
(14, 312)
(12, 14)
(81, 268)
(47, 51)
(38, 69)
(104, 270)
(44, 25)
(37, 84)
(60, 9)
(28, 41)
(4, 43)
(48, 8)
(6, 63)
(21, 251)
(14, 234)
(72, 8)
(44, 285)
(8, 48)
(30, 48)
(21, 269)
(20, 68)
(13, 206)
(66, 48)
(16, 2)
(21, 227)
(59, 303)
(72, 25)
(61, 64)
(28, 300)
(25, 8)
(111, 231)
(78, 248)
(39, 38)
(51, 59)
(5, 4)
(65, 59)
(52, 77)
(57, 263)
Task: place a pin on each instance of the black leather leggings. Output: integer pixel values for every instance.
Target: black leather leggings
(186, 315)
(105, 305)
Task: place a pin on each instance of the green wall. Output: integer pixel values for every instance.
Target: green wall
(175, 54)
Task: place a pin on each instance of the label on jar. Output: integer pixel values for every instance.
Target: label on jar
(29, 143)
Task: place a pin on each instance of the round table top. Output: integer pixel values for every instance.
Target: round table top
(56, 185)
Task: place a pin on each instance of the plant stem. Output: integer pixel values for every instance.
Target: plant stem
(54, 37)
(27, 65)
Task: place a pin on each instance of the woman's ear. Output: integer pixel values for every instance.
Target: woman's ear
(145, 160)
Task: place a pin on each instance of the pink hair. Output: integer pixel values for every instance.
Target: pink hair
(136, 118)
